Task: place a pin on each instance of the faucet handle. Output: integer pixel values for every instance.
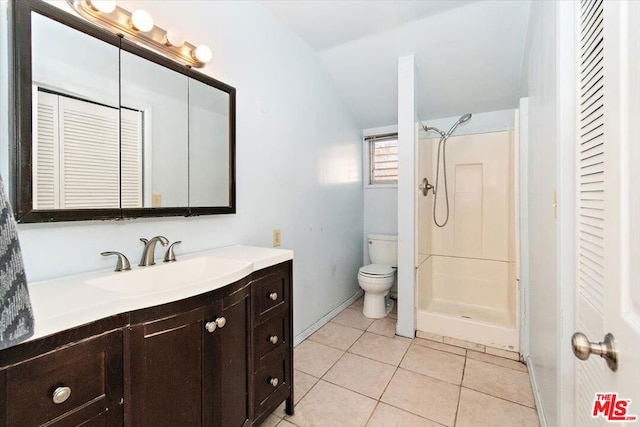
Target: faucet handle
(170, 255)
(122, 264)
(145, 241)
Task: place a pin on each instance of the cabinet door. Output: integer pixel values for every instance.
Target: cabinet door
(167, 371)
(228, 359)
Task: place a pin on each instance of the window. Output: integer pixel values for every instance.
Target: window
(383, 159)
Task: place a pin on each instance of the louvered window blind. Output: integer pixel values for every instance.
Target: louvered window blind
(383, 159)
(77, 155)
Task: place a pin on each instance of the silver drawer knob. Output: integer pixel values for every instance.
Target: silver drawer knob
(273, 339)
(273, 296)
(61, 394)
(274, 382)
(218, 323)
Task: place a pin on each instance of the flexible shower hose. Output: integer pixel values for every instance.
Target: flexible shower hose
(441, 144)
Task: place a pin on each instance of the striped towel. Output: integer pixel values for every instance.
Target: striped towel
(16, 315)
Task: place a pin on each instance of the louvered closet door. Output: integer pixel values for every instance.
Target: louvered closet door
(131, 158)
(45, 153)
(590, 312)
(89, 155)
(608, 223)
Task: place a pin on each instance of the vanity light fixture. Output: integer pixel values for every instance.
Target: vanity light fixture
(174, 37)
(138, 26)
(141, 21)
(202, 53)
(104, 6)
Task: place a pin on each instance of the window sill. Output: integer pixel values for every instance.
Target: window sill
(379, 186)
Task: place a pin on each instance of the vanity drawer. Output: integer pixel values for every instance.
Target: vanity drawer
(272, 378)
(270, 336)
(72, 385)
(270, 295)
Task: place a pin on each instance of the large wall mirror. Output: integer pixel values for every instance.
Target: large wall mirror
(106, 129)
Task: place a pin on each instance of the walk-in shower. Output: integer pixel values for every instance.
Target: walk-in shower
(466, 271)
(425, 186)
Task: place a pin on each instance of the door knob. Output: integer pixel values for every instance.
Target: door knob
(583, 348)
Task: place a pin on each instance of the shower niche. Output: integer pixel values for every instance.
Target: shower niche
(466, 269)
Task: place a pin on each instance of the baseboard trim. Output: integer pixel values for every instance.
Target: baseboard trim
(324, 320)
(536, 392)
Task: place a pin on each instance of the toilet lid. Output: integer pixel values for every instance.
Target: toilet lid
(377, 270)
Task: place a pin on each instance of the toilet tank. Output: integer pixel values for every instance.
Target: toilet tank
(383, 249)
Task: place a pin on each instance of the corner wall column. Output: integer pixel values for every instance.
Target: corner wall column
(406, 325)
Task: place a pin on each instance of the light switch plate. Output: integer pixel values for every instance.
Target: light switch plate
(156, 201)
(276, 237)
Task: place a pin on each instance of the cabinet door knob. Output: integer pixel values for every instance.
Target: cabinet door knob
(61, 394)
(218, 323)
(273, 382)
(273, 339)
(273, 296)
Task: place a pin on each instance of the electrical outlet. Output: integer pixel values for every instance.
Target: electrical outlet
(276, 237)
(156, 200)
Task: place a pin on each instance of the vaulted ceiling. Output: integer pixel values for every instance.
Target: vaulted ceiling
(468, 54)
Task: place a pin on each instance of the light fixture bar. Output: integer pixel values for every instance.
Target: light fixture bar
(119, 21)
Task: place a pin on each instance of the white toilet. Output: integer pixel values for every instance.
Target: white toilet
(376, 279)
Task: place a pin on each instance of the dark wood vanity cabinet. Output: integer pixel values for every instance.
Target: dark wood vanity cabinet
(272, 340)
(223, 358)
(78, 384)
(189, 360)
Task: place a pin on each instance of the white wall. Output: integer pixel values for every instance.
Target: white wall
(407, 206)
(380, 201)
(298, 164)
(550, 209)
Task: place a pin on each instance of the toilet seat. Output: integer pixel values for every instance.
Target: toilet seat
(376, 271)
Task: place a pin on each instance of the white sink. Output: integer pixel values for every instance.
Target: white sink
(203, 270)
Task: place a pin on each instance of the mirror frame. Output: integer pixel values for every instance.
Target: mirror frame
(21, 132)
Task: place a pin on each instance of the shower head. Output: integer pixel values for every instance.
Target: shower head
(462, 119)
(465, 118)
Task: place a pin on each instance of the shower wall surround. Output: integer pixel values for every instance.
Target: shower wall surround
(467, 270)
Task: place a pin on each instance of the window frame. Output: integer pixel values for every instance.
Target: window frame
(370, 140)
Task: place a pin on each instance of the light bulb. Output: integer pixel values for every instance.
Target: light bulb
(104, 6)
(141, 21)
(202, 53)
(174, 37)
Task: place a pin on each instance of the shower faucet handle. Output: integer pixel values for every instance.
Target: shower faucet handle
(425, 187)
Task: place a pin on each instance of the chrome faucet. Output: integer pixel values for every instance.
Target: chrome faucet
(148, 253)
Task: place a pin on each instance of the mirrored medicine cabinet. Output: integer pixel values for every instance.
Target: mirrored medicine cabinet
(106, 129)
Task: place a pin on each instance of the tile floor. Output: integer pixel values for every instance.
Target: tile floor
(354, 372)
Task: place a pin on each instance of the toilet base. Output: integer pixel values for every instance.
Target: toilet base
(375, 305)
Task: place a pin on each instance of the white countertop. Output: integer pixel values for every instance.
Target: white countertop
(72, 301)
